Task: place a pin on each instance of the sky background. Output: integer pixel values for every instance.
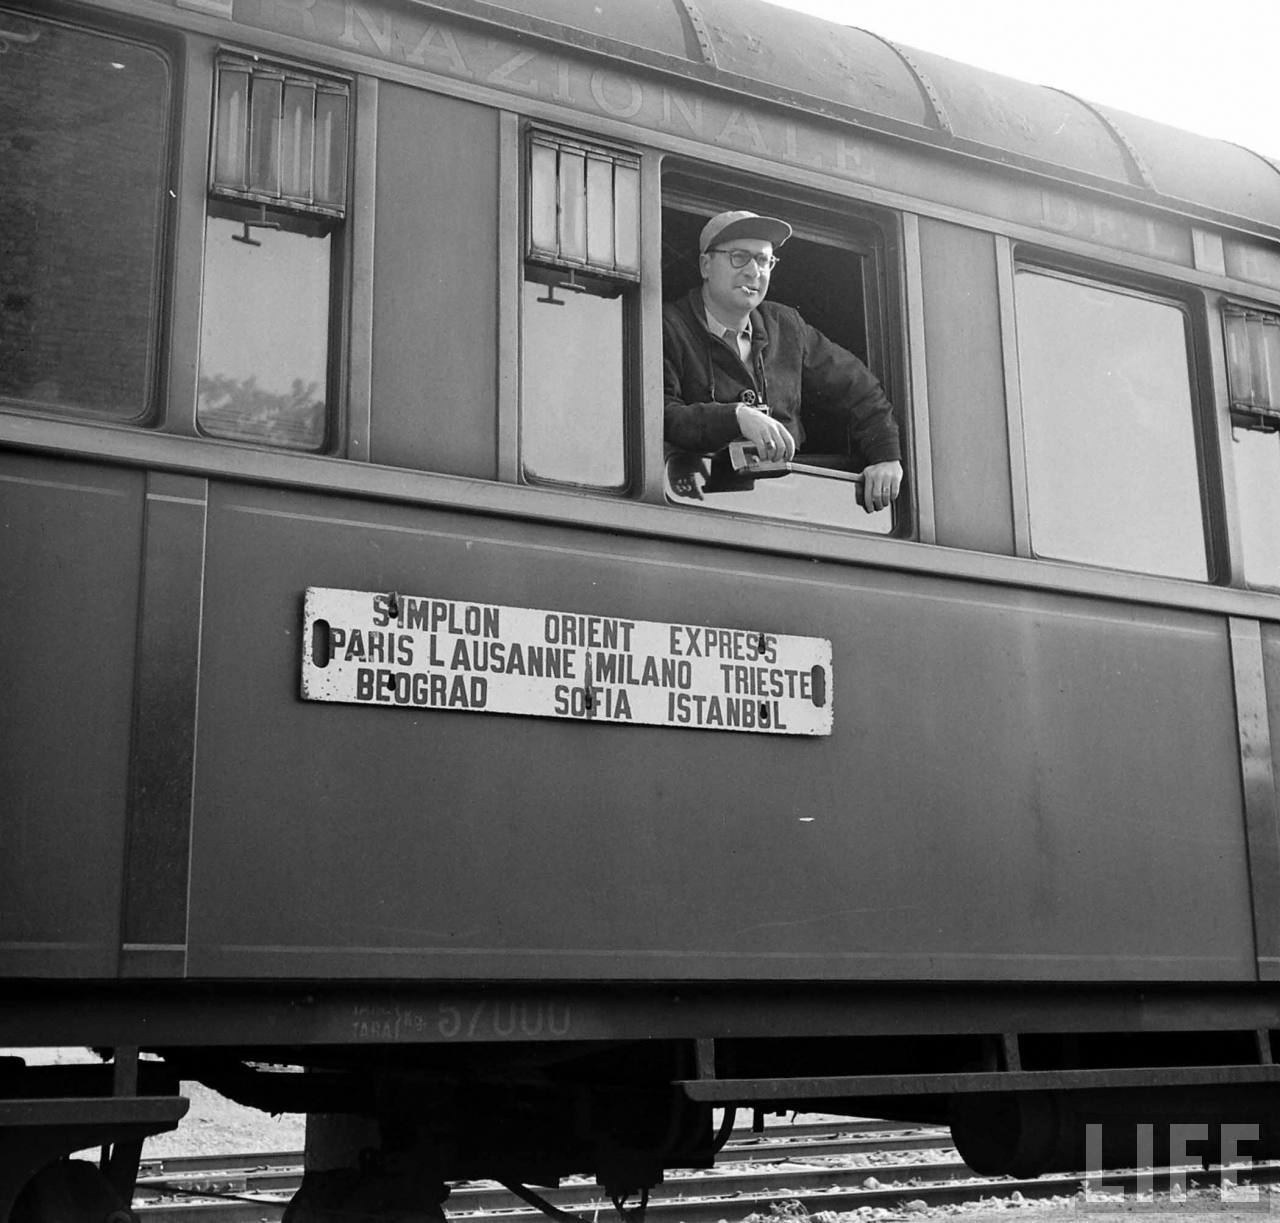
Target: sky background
(1208, 68)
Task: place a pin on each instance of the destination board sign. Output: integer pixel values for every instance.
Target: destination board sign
(420, 652)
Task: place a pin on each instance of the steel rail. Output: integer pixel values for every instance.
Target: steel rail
(744, 1179)
(813, 1188)
(808, 1138)
(256, 1187)
(752, 1165)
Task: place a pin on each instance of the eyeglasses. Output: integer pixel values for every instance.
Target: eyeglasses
(739, 258)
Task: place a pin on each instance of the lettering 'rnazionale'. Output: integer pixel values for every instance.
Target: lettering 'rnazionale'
(400, 37)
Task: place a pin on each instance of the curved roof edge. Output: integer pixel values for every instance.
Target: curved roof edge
(782, 58)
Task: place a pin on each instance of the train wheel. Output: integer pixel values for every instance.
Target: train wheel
(70, 1191)
(1008, 1133)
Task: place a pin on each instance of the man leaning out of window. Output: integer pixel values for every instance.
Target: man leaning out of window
(738, 366)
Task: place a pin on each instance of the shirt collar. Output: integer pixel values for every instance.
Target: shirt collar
(717, 328)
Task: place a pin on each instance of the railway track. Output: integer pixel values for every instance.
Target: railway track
(814, 1165)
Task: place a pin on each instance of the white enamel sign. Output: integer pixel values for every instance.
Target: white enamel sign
(381, 648)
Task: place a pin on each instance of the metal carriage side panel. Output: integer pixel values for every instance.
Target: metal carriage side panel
(435, 271)
(968, 426)
(70, 568)
(1018, 786)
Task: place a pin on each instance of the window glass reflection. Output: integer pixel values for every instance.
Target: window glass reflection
(83, 121)
(1109, 429)
(1257, 469)
(264, 339)
(572, 406)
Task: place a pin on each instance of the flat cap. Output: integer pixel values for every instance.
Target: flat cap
(725, 226)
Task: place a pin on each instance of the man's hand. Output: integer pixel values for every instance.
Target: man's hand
(880, 485)
(771, 440)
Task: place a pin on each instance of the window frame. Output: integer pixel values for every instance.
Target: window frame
(1246, 418)
(1265, 419)
(866, 231)
(571, 276)
(335, 224)
(171, 45)
(1190, 302)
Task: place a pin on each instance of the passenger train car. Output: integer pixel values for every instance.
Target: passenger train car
(392, 734)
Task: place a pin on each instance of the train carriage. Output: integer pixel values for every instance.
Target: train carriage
(384, 702)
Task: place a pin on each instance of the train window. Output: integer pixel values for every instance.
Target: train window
(1253, 378)
(1256, 452)
(83, 151)
(581, 272)
(833, 277)
(1109, 426)
(277, 200)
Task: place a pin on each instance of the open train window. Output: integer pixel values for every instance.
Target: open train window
(1109, 425)
(832, 271)
(578, 302)
(277, 202)
(1253, 379)
(84, 119)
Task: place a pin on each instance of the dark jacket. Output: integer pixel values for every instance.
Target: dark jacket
(792, 366)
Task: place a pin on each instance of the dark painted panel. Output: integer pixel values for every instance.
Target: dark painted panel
(69, 567)
(1019, 786)
(155, 912)
(969, 433)
(435, 283)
